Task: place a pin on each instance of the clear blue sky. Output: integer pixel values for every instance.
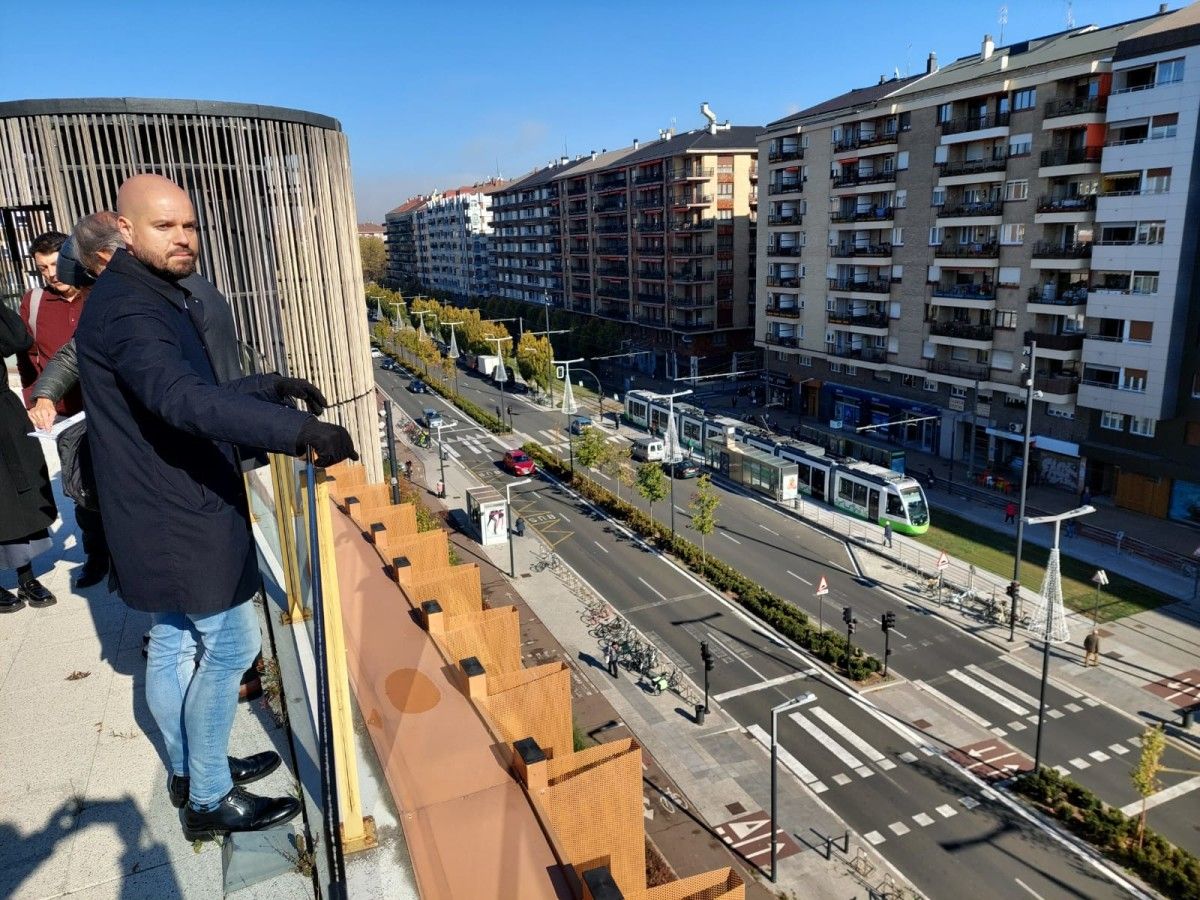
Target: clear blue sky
(435, 94)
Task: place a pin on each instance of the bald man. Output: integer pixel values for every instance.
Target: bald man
(163, 434)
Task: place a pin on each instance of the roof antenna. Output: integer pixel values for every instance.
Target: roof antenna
(1070, 14)
(1003, 21)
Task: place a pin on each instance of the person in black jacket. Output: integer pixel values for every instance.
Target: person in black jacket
(163, 435)
(26, 498)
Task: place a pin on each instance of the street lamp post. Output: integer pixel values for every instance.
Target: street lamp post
(453, 354)
(1100, 579)
(807, 697)
(423, 313)
(442, 455)
(391, 452)
(512, 560)
(501, 374)
(1016, 585)
(568, 402)
(672, 454)
(1051, 591)
(599, 390)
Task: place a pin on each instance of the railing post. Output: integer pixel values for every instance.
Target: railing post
(357, 832)
(283, 484)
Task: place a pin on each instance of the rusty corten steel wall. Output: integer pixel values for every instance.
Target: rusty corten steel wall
(278, 226)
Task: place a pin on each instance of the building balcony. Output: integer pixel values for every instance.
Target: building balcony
(653, 299)
(776, 189)
(787, 312)
(778, 340)
(612, 271)
(860, 251)
(651, 251)
(1065, 343)
(789, 219)
(1139, 388)
(1060, 386)
(611, 292)
(1054, 250)
(789, 250)
(873, 321)
(694, 200)
(688, 173)
(968, 124)
(970, 210)
(964, 330)
(972, 168)
(692, 251)
(790, 281)
(1071, 210)
(691, 276)
(649, 178)
(652, 274)
(1071, 161)
(611, 228)
(788, 155)
(965, 296)
(577, 191)
(694, 325)
(608, 185)
(702, 225)
(651, 227)
(864, 142)
(967, 254)
(851, 351)
(607, 206)
(621, 249)
(854, 179)
(957, 369)
(1057, 302)
(849, 285)
(684, 301)
(1074, 106)
(878, 214)
(648, 203)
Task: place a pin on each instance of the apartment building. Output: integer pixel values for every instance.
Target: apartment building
(924, 234)
(401, 239)
(452, 230)
(659, 235)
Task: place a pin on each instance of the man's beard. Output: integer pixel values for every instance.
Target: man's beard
(166, 267)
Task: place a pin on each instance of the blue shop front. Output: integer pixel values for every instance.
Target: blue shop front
(854, 408)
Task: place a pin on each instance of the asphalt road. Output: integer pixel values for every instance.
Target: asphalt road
(885, 780)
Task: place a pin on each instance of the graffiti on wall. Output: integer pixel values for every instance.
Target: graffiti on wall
(1060, 471)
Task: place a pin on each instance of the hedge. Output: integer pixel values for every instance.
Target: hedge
(476, 412)
(829, 646)
(1173, 871)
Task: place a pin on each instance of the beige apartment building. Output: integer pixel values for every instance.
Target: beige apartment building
(924, 233)
(659, 235)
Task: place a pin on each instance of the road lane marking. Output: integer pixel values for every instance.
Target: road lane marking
(899, 828)
(798, 578)
(899, 728)
(946, 811)
(1031, 891)
(652, 587)
(1118, 749)
(874, 838)
(923, 819)
(841, 753)
(953, 704)
(1175, 790)
(987, 692)
(716, 640)
(768, 530)
(1099, 756)
(848, 736)
(602, 547)
(903, 637)
(757, 686)
(998, 682)
(726, 535)
(1073, 707)
(563, 517)
(1080, 763)
(790, 762)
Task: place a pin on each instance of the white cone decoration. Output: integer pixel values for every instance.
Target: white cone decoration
(453, 352)
(501, 374)
(421, 329)
(568, 401)
(1050, 599)
(671, 451)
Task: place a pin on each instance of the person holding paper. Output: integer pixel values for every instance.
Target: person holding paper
(26, 498)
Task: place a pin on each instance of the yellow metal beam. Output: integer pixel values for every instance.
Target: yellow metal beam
(283, 483)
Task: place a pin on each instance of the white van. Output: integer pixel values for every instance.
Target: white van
(648, 448)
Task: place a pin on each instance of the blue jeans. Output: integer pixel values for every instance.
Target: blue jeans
(194, 705)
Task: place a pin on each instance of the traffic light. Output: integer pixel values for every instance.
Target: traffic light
(847, 614)
(1014, 589)
(706, 655)
(851, 625)
(889, 620)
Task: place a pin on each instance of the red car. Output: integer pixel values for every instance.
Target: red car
(518, 462)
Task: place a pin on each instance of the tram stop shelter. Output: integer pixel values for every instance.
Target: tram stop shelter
(775, 477)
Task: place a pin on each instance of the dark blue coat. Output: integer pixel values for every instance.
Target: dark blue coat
(162, 435)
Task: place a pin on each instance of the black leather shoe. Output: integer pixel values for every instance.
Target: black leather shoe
(243, 771)
(90, 573)
(34, 593)
(239, 811)
(10, 602)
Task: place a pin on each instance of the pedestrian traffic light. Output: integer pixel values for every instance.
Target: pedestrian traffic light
(706, 655)
(889, 620)
(847, 614)
(1014, 589)
(851, 625)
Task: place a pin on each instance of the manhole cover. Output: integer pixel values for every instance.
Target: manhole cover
(735, 809)
(922, 723)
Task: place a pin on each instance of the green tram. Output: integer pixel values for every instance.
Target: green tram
(857, 488)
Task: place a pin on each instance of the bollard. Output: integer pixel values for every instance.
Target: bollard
(700, 713)
(1188, 716)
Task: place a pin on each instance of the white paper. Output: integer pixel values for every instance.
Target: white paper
(61, 424)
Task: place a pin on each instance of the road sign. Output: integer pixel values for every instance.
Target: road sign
(943, 562)
(822, 586)
(560, 372)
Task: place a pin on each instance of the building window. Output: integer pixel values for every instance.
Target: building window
(835, 367)
(939, 197)
(1164, 126)
(1145, 283)
(851, 370)
(1017, 190)
(958, 391)
(1141, 332)
(1170, 71)
(1158, 181)
(905, 121)
(1060, 412)
(1025, 99)
(901, 199)
(1006, 318)
(1112, 421)
(1013, 233)
(897, 237)
(902, 160)
(1151, 232)
(1196, 386)
(931, 385)
(804, 360)
(1020, 145)
(1009, 276)
(945, 112)
(724, 215)
(725, 189)
(1142, 426)
(935, 237)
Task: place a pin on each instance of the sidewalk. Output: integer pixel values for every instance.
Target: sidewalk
(719, 771)
(83, 788)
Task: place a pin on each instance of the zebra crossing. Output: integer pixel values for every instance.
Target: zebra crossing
(468, 443)
(558, 439)
(1016, 708)
(845, 752)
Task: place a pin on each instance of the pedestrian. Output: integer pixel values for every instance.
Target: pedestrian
(1086, 497)
(408, 469)
(887, 534)
(1010, 513)
(611, 658)
(1091, 648)
(164, 436)
(932, 477)
(1071, 529)
(25, 493)
(51, 314)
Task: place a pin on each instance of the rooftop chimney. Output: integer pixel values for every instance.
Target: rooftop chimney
(1162, 9)
(636, 143)
(931, 65)
(563, 161)
(708, 114)
(985, 52)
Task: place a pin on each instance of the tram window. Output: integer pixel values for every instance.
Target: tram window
(895, 509)
(845, 489)
(691, 431)
(818, 482)
(860, 494)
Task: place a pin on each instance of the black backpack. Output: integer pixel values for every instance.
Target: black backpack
(75, 458)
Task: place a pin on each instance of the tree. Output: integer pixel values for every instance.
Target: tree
(651, 483)
(1145, 773)
(534, 355)
(703, 507)
(613, 464)
(591, 448)
(374, 259)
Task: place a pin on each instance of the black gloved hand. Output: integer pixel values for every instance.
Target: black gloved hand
(305, 391)
(332, 443)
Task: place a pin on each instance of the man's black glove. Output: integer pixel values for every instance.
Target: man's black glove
(332, 443)
(306, 392)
